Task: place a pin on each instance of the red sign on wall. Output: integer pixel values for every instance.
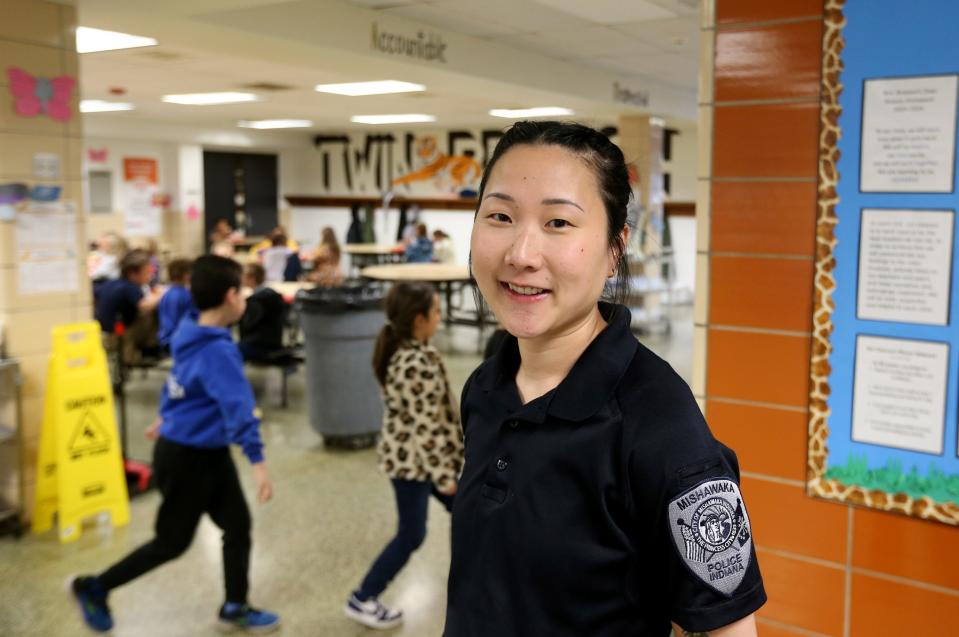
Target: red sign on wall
(140, 169)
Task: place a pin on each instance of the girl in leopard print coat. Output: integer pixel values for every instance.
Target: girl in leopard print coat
(421, 447)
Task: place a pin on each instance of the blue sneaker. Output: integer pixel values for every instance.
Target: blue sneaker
(372, 613)
(92, 601)
(246, 618)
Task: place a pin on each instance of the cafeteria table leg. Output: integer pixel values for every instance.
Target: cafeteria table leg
(448, 291)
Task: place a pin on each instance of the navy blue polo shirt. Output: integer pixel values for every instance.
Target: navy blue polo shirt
(117, 298)
(603, 508)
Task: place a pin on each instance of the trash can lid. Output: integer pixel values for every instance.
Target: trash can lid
(351, 296)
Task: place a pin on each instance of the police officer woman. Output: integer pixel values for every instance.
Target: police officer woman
(594, 499)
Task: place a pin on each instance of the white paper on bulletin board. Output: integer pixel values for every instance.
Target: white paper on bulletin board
(141, 218)
(909, 134)
(47, 259)
(900, 393)
(141, 214)
(905, 265)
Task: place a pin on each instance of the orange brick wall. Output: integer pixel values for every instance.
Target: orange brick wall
(830, 569)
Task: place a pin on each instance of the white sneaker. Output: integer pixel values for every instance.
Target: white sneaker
(372, 613)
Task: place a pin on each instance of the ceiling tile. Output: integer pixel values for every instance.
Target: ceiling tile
(680, 7)
(677, 34)
(522, 15)
(610, 11)
(671, 68)
(383, 4)
(592, 41)
(443, 17)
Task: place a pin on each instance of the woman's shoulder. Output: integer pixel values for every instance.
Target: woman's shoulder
(656, 401)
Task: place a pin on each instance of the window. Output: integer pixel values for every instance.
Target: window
(101, 191)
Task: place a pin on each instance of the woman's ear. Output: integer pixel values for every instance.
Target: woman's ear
(618, 252)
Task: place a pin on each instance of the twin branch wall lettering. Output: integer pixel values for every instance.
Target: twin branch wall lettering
(450, 163)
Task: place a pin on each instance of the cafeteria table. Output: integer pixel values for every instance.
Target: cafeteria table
(446, 276)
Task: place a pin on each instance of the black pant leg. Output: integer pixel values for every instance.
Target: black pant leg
(412, 498)
(229, 511)
(181, 480)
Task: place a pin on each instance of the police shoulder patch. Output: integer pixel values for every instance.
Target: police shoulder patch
(711, 532)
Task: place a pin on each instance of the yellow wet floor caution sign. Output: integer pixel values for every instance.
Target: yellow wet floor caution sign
(80, 464)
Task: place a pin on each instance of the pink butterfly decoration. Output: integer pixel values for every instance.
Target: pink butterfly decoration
(36, 95)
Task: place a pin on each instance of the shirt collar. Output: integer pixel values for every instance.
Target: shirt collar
(591, 381)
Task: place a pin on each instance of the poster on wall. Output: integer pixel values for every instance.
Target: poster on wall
(141, 209)
(884, 401)
(46, 246)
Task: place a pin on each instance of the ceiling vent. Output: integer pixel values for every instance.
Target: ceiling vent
(162, 56)
(267, 87)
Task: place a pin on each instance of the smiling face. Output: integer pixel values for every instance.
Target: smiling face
(539, 248)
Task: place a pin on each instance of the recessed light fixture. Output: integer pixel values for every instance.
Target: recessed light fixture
(210, 99)
(381, 87)
(403, 118)
(91, 40)
(102, 106)
(274, 123)
(542, 111)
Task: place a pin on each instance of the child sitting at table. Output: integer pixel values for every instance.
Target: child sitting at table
(326, 261)
(275, 259)
(261, 327)
(176, 302)
(420, 250)
(124, 301)
(443, 247)
(103, 263)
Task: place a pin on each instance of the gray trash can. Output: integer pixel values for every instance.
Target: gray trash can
(340, 326)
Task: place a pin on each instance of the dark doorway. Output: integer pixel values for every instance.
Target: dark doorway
(241, 188)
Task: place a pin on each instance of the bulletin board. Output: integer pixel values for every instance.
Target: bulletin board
(885, 356)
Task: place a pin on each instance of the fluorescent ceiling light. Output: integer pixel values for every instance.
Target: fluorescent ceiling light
(101, 106)
(91, 40)
(542, 111)
(275, 123)
(209, 99)
(370, 88)
(404, 118)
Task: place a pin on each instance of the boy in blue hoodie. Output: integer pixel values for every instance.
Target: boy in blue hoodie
(176, 302)
(206, 405)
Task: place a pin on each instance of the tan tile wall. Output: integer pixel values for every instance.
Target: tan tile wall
(37, 36)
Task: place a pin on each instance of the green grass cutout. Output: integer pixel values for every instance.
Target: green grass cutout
(941, 487)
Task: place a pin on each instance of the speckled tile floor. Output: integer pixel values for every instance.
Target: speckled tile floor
(331, 514)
